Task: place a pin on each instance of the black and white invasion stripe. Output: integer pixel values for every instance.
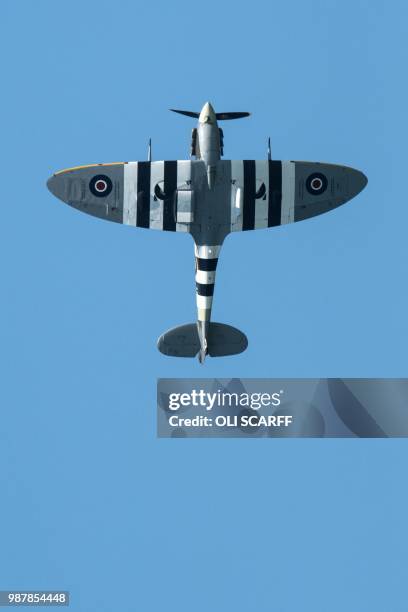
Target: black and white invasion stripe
(141, 206)
(261, 193)
(206, 265)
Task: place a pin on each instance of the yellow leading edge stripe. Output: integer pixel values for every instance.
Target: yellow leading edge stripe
(89, 166)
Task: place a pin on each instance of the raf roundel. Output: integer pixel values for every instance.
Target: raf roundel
(316, 184)
(100, 185)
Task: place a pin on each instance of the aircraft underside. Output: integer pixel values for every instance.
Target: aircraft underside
(208, 198)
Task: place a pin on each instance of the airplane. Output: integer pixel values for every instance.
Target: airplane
(209, 198)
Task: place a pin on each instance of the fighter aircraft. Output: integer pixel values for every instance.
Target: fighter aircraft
(209, 198)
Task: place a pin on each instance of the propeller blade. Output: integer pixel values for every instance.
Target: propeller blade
(226, 116)
(187, 113)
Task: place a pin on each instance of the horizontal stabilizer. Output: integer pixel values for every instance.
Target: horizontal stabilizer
(225, 340)
(183, 341)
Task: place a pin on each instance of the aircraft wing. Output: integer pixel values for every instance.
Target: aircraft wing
(267, 193)
(155, 195)
(247, 195)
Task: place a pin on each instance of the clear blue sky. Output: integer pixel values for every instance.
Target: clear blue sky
(90, 500)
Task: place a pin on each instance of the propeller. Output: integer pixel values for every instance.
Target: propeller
(219, 116)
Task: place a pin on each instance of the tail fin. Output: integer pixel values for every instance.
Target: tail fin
(220, 116)
(183, 341)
